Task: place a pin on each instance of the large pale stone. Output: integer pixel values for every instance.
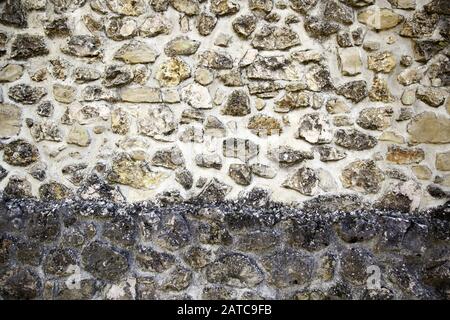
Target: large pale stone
(443, 161)
(79, 136)
(10, 120)
(379, 18)
(136, 52)
(401, 155)
(141, 95)
(11, 72)
(173, 71)
(350, 61)
(64, 93)
(196, 96)
(427, 127)
(127, 7)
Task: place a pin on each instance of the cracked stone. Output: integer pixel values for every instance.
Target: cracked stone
(237, 104)
(375, 118)
(157, 122)
(136, 52)
(362, 176)
(315, 128)
(83, 46)
(240, 173)
(379, 18)
(353, 139)
(270, 37)
(168, 158)
(305, 180)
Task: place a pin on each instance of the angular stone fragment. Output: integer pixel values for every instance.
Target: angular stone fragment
(362, 176)
(10, 120)
(98, 93)
(216, 60)
(375, 118)
(26, 46)
(425, 49)
(127, 7)
(181, 46)
(420, 25)
(263, 171)
(84, 75)
(224, 7)
(328, 153)
(83, 46)
(286, 156)
(338, 12)
(157, 122)
(434, 97)
(26, 94)
(141, 95)
(353, 139)
(320, 27)
(188, 7)
(240, 173)
(168, 158)
(401, 155)
(212, 160)
(237, 104)
(18, 187)
(11, 73)
(196, 96)
(244, 25)
(315, 128)
(242, 149)
(79, 136)
(206, 24)
(64, 93)
(120, 121)
(354, 90)
(120, 28)
(14, 14)
(173, 71)
(380, 91)
(135, 173)
(270, 37)
(379, 18)
(214, 191)
(104, 262)
(427, 127)
(46, 130)
(443, 161)
(350, 61)
(53, 190)
(136, 52)
(117, 76)
(57, 27)
(383, 61)
(236, 270)
(155, 25)
(20, 153)
(305, 180)
(263, 125)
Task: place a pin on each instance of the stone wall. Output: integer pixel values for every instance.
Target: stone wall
(302, 97)
(248, 249)
(120, 107)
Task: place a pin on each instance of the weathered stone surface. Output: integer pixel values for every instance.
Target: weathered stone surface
(26, 46)
(46, 130)
(328, 153)
(104, 261)
(427, 127)
(363, 176)
(242, 149)
(157, 122)
(315, 129)
(443, 161)
(141, 94)
(401, 155)
(209, 161)
(189, 7)
(305, 180)
(173, 71)
(20, 153)
(26, 94)
(350, 61)
(375, 118)
(181, 46)
(381, 61)
(355, 91)
(240, 173)
(135, 173)
(380, 90)
(58, 27)
(224, 7)
(206, 23)
(216, 60)
(235, 270)
(196, 96)
(127, 7)
(78, 135)
(433, 97)
(120, 28)
(14, 14)
(11, 73)
(286, 156)
(155, 25)
(270, 37)
(18, 187)
(136, 52)
(244, 25)
(237, 104)
(10, 120)
(263, 125)
(168, 158)
(318, 27)
(353, 139)
(379, 18)
(84, 46)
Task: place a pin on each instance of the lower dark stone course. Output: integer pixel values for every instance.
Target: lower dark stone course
(243, 249)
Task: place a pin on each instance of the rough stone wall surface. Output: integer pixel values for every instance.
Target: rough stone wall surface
(303, 97)
(336, 105)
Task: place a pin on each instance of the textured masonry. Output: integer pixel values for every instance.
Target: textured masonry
(134, 109)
